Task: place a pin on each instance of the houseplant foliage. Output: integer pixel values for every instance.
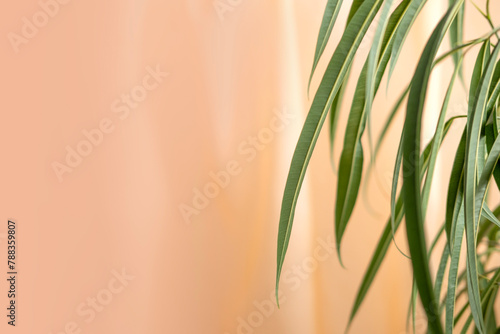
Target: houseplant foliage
(469, 223)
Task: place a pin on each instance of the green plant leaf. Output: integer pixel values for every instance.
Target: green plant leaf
(491, 132)
(412, 310)
(490, 216)
(411, 11)
(495, 88)
(438, 134)
(489, 289)
(441, 270)
(394, 186)
(489, 315)
(453, 280)
(411, 171)
(469, 44)
(458, 234)
(334, 118)
(352, 157)
(356, 4)
(475, 122)
(456, 35)
(328, 89)
(484, 179)
(455, 191)
(372, 68)
(386, 237)
(329, 18)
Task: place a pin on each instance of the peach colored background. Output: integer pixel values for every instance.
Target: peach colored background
(119, 208)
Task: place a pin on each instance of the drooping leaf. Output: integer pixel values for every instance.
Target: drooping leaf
(386, 237)
(372, 65)
(329, 18)
(412, 310)
(489, 314)
(394, 187)
(453, 280)
(490, 216)
(441, 271)
(490, 288)
(352, 157)
(469, 45)
(495, 88)
(411, 172)
(356, 4)
(484, 180)
(437, 134)
(457, 35)
(455, 191)
(334, 117)
(475, 121)
(457, 235)
(328, 89)
(491, 132)
(411, 11)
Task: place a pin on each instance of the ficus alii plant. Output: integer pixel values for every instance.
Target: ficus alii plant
(468, 223)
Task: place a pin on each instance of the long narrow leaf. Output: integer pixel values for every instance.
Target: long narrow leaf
(411, 172)
(453, 271)
(457, 35)
(455, 190)
(386, 237)
(411, 12)
(438, 134)
(471, 220)
(352, 157)
(334, 118)
(330, 16)
(328, 89)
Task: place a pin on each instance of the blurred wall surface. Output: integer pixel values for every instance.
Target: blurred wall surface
(145, 148)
